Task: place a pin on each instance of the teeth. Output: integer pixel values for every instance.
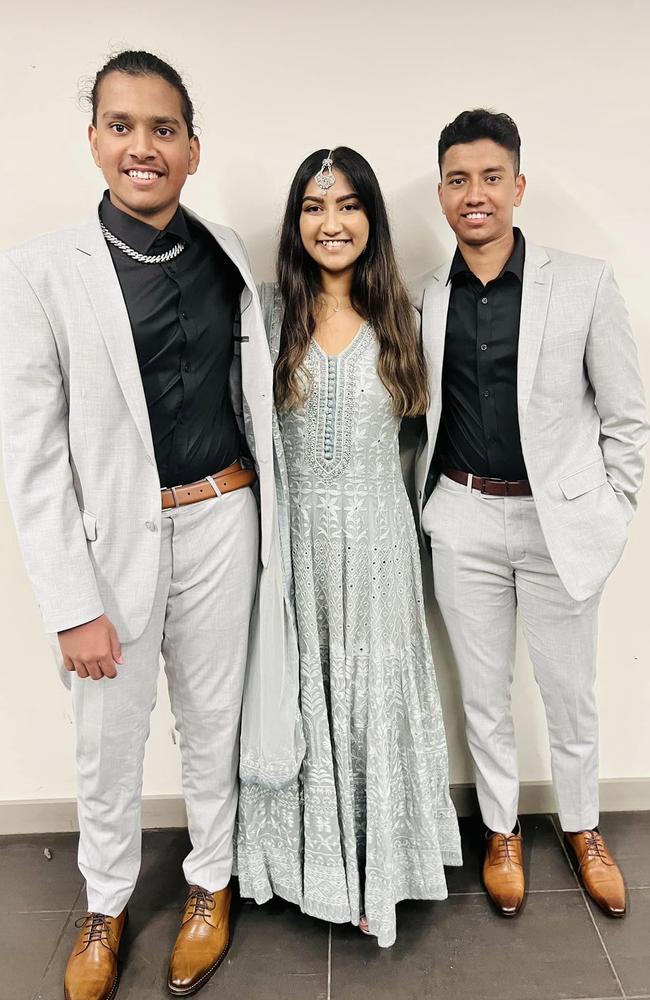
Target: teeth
(334, 243)
(143, 175)
(476, 215)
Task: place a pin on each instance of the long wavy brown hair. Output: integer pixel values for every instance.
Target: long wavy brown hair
(378, 293)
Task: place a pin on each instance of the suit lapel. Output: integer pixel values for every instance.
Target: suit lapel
(435, 306)
(535, 296)
(101, 282)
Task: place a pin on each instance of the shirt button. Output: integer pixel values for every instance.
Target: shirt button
(484, 300)
(484, 347)
(184, 315)
(150, 526)
(486, 394)
(187, 367)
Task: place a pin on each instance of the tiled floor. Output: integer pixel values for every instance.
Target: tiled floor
(559, 948)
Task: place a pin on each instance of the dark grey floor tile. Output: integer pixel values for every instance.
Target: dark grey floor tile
(146, 954)
(468, 878)
(276, 954)
(28, 941)
(50, 986)
(628, 838)
(161, 884)
(29, 881)
(456, 949)
(461, 950)
(544, 860)
(628, 941)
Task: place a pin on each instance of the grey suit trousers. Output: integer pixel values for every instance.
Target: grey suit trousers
(490, 559)
(199, 621)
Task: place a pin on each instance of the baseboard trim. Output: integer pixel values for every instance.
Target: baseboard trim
(616, 795)
(158, 811)
(60, 815)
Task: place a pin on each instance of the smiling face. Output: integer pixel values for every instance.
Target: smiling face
(333, 225)
(141, 143)
(479, 190)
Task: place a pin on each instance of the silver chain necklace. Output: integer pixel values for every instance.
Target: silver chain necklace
(158, 258)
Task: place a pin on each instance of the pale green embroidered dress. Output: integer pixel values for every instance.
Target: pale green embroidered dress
(369, 821)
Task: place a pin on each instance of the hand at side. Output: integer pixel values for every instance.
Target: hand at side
(91, 649)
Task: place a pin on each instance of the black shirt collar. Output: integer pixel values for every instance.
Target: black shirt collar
(140, 235)
(514, 263)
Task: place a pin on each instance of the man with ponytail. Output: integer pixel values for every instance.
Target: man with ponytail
(135, 403)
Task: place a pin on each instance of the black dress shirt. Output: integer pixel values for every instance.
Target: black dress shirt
(479, 424)
(182, 314)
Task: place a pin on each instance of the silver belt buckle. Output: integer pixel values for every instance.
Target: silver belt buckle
(490, 479)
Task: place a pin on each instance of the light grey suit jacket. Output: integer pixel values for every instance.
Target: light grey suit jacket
(80, 468)
(580, 402)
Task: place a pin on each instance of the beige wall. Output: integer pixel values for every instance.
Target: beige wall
(271, 83)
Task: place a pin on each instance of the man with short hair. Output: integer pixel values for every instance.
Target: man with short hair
(135, 403)
(526, 485)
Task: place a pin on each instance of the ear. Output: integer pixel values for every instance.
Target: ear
(195, 155)
(92, 139)
(520, 187)
(440, 197)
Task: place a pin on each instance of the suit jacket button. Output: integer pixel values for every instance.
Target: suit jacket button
(150, 525)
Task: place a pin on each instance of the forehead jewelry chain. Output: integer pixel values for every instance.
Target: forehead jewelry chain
(158, 258)
(325, 176)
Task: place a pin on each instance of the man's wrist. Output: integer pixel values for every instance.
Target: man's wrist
(80, 624)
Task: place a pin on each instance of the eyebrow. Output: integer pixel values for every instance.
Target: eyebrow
(154, 120)
(165, 120)
(487, 170)
(344, 197)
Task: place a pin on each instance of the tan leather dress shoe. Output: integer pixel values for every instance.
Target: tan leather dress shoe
(92, 972)
(202, 941)
(503, 872)
(599, 873)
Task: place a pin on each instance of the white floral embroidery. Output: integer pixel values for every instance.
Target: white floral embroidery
(332, 404)
(370, 820)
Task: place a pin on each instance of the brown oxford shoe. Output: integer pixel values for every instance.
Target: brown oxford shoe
(202, 941)
(503, 872)
(92, 972)
(599, 873)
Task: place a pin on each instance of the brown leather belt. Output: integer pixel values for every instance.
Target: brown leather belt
(491, 487)
(233, 478)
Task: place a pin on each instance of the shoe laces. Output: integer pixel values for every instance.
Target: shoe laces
(96, 929)
(503, 847)
(594, 847)
(201, 901)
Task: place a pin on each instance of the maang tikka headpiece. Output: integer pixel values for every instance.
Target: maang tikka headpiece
(325, 176)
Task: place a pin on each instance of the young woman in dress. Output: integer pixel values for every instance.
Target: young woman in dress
(369, 820)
